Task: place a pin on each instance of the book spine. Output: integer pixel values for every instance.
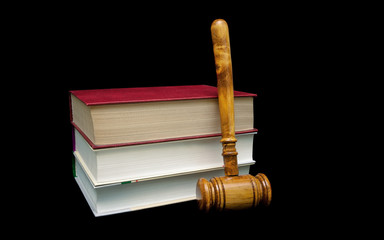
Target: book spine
(70, 107)
(73, 139)
(74, 166)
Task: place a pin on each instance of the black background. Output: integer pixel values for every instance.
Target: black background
(291, 56)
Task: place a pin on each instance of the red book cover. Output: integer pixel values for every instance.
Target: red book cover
(149, 94)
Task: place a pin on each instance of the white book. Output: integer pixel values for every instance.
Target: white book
(125, 197)
(150, 161)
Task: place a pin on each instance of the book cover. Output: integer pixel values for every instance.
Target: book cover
(149, 94)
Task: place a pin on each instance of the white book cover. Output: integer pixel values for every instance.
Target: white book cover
(125, 197)
(150, 161)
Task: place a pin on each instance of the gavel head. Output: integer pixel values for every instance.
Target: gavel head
(233, 192)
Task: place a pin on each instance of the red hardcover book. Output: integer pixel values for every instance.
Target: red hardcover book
(129, 116)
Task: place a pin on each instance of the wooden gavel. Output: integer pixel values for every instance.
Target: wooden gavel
(231, 192)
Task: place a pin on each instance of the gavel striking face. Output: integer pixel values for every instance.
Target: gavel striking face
(231, 192)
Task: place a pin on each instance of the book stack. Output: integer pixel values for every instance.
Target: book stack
(138, 148)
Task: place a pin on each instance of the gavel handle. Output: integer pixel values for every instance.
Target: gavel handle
(223, 62)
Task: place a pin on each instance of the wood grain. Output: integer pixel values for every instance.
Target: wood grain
(223, 62)
(234, 193)
(231, 192)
